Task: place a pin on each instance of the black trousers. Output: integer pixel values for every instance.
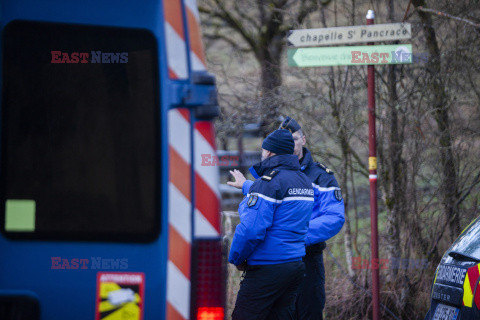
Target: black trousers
(268, 292)
(311, 292)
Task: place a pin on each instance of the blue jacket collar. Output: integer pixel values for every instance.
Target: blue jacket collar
(283, 161)
(307, 160)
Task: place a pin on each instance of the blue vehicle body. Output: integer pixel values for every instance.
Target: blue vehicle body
(27, 268)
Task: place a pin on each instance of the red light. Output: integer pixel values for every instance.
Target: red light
(208, 280)
(210, 313)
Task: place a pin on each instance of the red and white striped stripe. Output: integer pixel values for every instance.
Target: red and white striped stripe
(207, 207)
(179, 215)
(197, 53)
(207, 194)
(206, 178)
(175, 39)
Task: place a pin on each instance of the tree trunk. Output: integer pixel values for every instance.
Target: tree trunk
(269, 54)
(343, 137)
(449, 180)
(270, 57)
(347, 233)
(271, 80)
(395, 195)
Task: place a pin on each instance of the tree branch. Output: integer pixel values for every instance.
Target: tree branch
(305, 10)
(227, 39)
(234, 24)
(465, 195)
(443, 14)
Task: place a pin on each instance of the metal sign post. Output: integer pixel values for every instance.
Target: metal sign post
(372, 166)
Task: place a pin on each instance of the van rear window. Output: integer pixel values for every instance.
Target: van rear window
(79, 133)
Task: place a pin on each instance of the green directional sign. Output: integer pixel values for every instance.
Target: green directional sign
(350, 56)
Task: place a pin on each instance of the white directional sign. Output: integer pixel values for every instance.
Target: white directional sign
(353, 34)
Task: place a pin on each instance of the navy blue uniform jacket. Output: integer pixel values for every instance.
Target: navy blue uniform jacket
(274, 215)
(328, 214)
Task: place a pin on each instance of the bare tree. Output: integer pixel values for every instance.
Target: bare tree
(395, 169)
(259, 27)
(440, 103)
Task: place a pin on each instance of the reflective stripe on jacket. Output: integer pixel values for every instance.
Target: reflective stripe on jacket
(274, 215)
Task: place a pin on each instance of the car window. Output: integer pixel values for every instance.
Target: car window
(468, 242)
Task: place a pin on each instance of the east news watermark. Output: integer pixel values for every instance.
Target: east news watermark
(94, 263)
(210, 160)
(89, 57)
(399, 56)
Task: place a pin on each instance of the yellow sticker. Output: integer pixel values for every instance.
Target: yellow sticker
(372, 163)
(120, 296)
(20, 215)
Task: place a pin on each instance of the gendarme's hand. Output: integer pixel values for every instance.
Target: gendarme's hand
(242, 266)
(239, 179)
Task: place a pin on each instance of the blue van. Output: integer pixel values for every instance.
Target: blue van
(106, 211)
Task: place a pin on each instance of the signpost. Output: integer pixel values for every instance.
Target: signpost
(353, 34)
(372, 167)
(349, 56)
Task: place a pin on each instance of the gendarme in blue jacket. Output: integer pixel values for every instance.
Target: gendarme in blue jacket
(274, 215)
(328, 214)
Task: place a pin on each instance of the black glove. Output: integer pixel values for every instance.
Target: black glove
(242, 266)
